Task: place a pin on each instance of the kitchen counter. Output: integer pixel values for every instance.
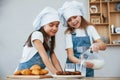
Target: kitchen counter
(88, 78)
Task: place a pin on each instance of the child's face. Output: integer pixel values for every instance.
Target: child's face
(51, 28)
(74, 21)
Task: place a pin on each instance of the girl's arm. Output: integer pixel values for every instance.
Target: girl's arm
(98, 43)
(39, 46)
(55, 62)
(71, 57)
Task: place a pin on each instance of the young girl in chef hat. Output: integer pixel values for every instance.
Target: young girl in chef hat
(80, 34)
(39, 46)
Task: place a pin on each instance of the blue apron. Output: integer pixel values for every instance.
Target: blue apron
(36, 59)
(81, 44)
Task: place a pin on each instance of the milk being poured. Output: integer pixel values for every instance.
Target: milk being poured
(98, 64)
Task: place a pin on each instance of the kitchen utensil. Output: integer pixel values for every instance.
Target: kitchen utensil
(67, 76)
(116, 42)
(92, 57)
(117, 30)
(112, 28)
(28, 76)
(69, 67)
(72, 67)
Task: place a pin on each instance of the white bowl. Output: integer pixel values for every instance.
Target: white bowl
(98, 64)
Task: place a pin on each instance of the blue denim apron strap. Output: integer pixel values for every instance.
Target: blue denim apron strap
(36, 59)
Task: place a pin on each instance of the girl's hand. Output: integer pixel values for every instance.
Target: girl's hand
(95, 47)
(89, 64)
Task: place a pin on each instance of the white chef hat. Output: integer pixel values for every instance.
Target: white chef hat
(71, 8)
(46, 16)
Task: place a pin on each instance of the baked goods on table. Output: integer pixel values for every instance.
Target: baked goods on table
(34, 70)
(35, 67)
(26, 72)
(18, 72)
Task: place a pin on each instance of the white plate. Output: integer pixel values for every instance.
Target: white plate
(67, 76)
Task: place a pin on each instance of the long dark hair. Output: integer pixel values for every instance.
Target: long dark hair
(45, 43)
(84, 24)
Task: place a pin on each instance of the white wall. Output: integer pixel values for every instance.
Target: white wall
(16, 18)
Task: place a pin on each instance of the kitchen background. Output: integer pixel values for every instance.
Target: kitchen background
(16, 18)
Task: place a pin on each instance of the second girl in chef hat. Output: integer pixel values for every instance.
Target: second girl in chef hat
(39, 47)
(80, 34)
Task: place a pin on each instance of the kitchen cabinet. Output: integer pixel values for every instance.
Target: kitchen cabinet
(105, 15)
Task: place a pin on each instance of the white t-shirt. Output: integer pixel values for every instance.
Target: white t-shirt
(81, 32)
(29, 52)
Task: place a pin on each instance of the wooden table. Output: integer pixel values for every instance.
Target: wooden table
(88, 78)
